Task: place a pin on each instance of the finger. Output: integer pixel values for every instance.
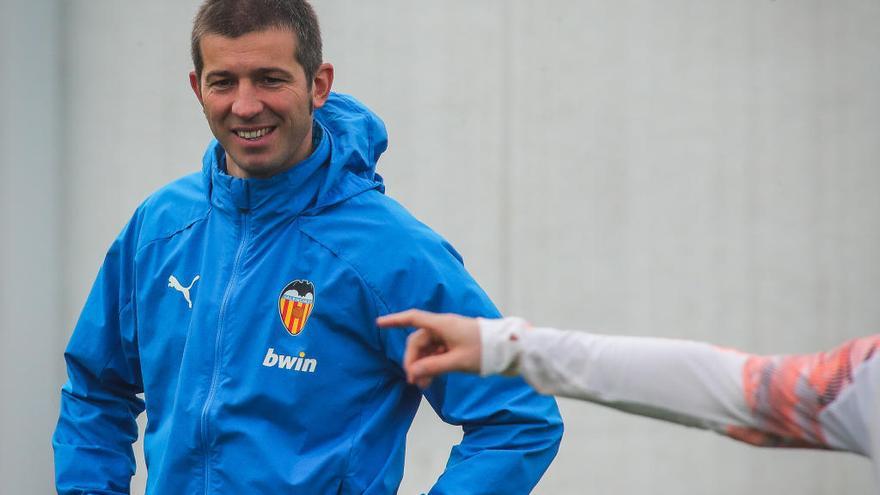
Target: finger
(413, 343)
(417, 344)
(428, 367)
(422, 383)
(409, 318)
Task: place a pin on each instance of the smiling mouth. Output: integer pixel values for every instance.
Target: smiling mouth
(254, 134)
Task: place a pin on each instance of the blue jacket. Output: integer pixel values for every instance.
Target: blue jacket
(244, 312)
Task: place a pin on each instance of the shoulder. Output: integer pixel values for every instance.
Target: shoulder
(378, 237)
(372, 225)
(171, 209)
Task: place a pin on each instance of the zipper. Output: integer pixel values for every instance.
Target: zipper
(220, 324)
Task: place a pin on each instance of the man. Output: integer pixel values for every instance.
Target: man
(826, 400)
(242, 302)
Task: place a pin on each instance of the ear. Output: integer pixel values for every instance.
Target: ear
(321, 85)
(196, 85)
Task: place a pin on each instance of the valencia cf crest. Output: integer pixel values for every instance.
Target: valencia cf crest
(295, 305)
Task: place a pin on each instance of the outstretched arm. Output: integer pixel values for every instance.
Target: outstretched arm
(769, 401)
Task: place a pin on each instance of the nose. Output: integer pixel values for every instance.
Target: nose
(247, 104)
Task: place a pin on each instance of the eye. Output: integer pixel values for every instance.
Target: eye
(220, 84)
(272, 81)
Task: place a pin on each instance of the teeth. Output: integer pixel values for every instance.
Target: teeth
(253, 134)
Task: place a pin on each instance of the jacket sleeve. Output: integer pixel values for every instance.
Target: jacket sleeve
(511, 433)
(99, 403)
(771, 401)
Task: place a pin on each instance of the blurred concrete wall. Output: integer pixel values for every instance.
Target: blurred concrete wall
(32, 329)
(695, 169)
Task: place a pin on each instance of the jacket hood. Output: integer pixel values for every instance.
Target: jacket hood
(349, 139)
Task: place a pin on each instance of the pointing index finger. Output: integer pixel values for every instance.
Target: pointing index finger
(409, 318)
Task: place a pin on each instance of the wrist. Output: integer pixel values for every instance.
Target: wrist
(501, 344)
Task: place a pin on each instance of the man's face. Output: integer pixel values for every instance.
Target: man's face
(257, 100)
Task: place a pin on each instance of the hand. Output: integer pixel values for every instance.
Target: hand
(442, 343)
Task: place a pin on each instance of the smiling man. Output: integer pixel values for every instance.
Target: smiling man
(267, 373)
(259, 100)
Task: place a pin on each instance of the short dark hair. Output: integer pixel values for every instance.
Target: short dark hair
(234, 18)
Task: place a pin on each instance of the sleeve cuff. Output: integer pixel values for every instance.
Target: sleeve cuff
(501, 345)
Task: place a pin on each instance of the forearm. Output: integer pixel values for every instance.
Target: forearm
(510, 436)
(768, 401)
(685, 382)
(94, 435)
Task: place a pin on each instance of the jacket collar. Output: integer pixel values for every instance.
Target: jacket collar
(290, 192)
(349, 138)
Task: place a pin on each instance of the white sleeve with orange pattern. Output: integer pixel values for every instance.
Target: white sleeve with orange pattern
(818, 400)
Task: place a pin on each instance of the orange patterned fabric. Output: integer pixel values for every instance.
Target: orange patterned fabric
(786, 393)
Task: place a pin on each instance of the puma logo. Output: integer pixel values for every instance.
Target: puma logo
(175, 284)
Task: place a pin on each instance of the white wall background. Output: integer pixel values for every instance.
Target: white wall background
(692, 168)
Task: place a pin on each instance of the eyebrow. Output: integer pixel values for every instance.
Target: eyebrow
(259, 72)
